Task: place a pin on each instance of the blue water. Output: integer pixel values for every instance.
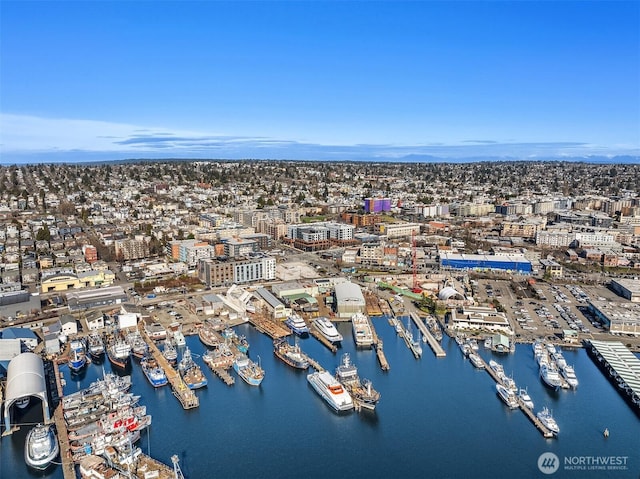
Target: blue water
(436, 418)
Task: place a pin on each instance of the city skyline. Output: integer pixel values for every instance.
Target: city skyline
(369, 81)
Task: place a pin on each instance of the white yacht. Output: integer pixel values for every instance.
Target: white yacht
(362, 333)
(297, 324)
(497, 367)
(507, 396)
(550, 376)
(526, 399)
(547, 419)
(476, 360)
(327, 329)
(331, 390)
(41, 446)
(570, 375)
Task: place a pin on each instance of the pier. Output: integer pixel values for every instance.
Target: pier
(436, 347)
(527, 412)
(273, 329)
(622, 366)
(377, 345)
(313, 331)
(186, 396)
(224, 374)
(314, 364)
(68, 468)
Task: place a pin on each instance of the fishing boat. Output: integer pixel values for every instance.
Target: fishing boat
(250, 371)
(525, 398)
(154, 373)
(191, 373)
(41, 446)
(139, 348)
(77, 355)
(290, 354)
(169, 352)
(95, 467)
(362, 332)
(507, 396)
(547, 419)
(175, 331)
(297, 324)
(119, 353)
(95, 346)
(220, 357)
(330, 389)
(327, 329)
(361, 390)
(208, 336)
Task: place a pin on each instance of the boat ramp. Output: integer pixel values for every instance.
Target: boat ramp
(436, 347)
(186, 396)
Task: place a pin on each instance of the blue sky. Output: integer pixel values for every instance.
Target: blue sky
(89, 80)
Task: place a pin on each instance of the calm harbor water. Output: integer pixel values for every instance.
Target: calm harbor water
(436, 418)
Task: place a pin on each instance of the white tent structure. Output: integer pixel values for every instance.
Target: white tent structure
(25, 378)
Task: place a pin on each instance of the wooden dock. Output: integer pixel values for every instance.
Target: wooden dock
(313, 331)
(314, 364)
(274, 329)
(373, 305)
(377, 345)
(224, 374)
(527, 412)
(68, 468)
(186, 396)
(436, 347)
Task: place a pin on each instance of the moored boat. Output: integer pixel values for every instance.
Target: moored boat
(362, 391)
(219, 358)
(327, 329)
(290, 354)
(139, 348)
(476, 360)
(119, 353)
(507, 396)
(569, 374)
(191, 373)
(77, 355)
(525, 398)
(550, 376)
(208, 336)
(330, 389)
(41, 446)
(169, 352)
(154, 373)
(250, 371)
(297, 324)
(362, 332)
(547, 419)
(95, 346)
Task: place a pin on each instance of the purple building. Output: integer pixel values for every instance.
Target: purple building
(377, 205)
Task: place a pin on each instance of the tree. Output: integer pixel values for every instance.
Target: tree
(43, 234)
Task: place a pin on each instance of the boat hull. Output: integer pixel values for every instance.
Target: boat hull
(41, 447)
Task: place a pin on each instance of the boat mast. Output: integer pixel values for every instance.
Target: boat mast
(177, 473)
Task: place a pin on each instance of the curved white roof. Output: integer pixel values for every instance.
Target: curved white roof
(447, 293)
(348, 292)
(25, 377)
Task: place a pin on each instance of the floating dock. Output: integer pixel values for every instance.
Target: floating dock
(186, 396)
(527, 412)
(68, 468)
(224, 374)
(436, 347)
(377, 345)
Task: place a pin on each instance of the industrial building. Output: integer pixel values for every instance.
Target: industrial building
(627, 288)
(618, 317)
(349, 300)
(25, 380)
(479, 318)
(484, 262)
(79, 300)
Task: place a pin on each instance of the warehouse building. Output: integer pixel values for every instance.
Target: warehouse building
(349, 300)
(483, 262)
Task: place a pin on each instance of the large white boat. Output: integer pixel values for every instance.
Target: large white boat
(362, 332)
(296, 323)
(570, 375)
(250, 371)
(547, 419)
(331, 390)
(507, 396)
(41, 446)
(327, 329)
(550, 376)
(476, 360)
(525, 398)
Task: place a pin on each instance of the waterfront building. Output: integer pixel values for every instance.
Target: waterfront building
(275, 307)
(86, 299)
(349, 299)
(479, 318)
(627, 288)
(617, 317)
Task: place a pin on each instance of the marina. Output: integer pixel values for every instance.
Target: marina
(621, 366)
(433, 343)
